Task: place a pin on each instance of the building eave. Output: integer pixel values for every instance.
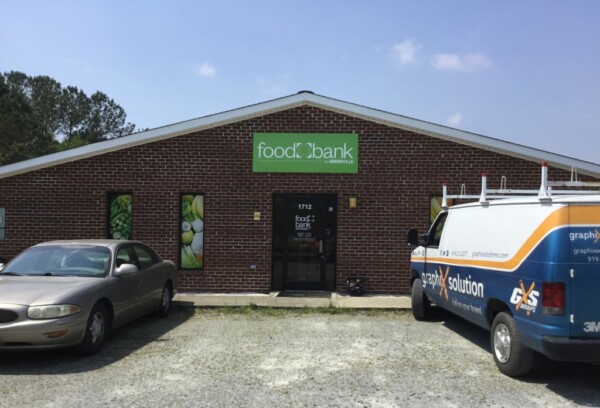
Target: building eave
(292, 101)
(462, 137)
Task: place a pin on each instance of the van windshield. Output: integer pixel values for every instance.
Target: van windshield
(435, 233)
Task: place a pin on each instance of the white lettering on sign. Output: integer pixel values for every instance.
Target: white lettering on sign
(304, 223)
(308, 150)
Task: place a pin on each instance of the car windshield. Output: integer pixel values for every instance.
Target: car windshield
(60, 260)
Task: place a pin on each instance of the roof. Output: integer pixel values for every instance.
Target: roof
(556, 199)
(303, 98)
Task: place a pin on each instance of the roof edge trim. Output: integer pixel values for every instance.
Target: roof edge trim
(291, 101)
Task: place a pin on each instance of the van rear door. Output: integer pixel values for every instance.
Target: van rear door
(584, 287)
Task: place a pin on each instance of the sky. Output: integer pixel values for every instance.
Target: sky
(523, 71)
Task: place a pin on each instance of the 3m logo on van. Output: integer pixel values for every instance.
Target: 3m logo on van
(525, 299)
(591, 327)
(585, 236)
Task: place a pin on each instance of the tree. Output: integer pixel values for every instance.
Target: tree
(73, 109)
(45, 101)
(41, 94)
(39, 116)
(105, 119)
(17, 131)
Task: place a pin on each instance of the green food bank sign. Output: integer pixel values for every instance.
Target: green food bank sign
(305, 153)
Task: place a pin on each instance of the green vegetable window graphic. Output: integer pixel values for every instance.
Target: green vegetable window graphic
(119, 213)
(192, 231)
(435, 207)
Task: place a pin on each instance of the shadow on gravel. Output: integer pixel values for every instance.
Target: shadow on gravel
(578, 382)
(120, 343)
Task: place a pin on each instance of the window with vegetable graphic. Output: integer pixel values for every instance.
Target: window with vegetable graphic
(119, 215)
(435, 207)
(192, 231)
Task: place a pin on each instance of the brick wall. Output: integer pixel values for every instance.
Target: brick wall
(398, 171)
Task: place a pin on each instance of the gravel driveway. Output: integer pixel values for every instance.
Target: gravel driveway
(289, 358)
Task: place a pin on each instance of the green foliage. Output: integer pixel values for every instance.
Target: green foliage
(73, 108)
(39, 116)
(72, 143)
(16, 129)
(105, 119)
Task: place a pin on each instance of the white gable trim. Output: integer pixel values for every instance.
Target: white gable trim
(288, 102)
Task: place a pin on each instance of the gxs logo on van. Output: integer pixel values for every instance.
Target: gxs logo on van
(591, 327)
(525, 299)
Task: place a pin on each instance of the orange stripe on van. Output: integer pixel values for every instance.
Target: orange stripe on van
(585, 215)
(579, 215)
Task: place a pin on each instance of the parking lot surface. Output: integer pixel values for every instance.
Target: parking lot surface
(261, 358)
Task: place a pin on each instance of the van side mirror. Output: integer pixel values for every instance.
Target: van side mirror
(412, 237)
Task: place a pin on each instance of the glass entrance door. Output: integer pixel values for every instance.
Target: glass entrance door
(304, 230)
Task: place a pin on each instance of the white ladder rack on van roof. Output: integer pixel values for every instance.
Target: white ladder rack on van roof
(544, 193)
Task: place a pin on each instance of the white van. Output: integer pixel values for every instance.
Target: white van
(527, 268)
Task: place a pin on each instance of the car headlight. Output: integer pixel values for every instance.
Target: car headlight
(51, 311)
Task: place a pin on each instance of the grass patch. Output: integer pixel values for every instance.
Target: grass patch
(254, 310)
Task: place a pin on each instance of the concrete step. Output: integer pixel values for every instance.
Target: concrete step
(274, 300)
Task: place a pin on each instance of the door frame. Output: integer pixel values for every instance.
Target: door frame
(329, 204)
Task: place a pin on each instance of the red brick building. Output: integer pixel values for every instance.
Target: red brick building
(297, 193)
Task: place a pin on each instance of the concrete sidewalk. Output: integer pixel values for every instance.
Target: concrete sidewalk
(274, 299)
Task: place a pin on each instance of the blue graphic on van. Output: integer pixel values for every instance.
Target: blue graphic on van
(584, 245)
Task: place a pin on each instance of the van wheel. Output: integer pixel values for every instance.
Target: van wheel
(512, 357)
(420, 304)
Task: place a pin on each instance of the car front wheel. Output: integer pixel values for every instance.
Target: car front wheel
(96, 331)
(166, 301)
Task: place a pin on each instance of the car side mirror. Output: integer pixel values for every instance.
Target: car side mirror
(1, 266)
(412, 237)
(126, 269)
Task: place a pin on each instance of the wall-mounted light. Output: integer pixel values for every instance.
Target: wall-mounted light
(352, 202)
(257, 216)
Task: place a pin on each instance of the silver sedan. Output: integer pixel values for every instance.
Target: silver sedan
(71, 293)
